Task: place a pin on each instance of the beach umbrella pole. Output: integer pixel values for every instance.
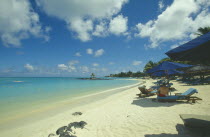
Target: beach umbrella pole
(167, 77)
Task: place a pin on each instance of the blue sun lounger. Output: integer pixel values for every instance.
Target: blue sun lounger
(187, 95)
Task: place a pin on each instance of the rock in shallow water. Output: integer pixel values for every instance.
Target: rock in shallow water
(80, 124)
(77, 113)
(66, 135)
(61, 130)
(66, 131)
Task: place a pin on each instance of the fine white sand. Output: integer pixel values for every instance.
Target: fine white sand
(122, 115)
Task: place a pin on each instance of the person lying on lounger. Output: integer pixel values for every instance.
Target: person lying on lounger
(144, 90)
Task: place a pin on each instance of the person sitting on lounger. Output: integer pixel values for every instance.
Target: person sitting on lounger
(163, 91)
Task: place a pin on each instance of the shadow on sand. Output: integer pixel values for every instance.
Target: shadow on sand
(182, 132)
(152, 102)
(157, 87)
(181, 83)
(190, 85)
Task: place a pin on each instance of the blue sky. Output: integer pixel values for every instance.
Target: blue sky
(77, 37)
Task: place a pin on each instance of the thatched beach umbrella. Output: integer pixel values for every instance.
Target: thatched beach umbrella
(201, 70)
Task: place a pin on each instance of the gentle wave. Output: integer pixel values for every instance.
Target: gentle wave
(18, 81)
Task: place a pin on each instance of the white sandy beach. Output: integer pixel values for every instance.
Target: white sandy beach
(122, 115)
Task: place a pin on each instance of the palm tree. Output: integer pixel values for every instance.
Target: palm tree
(129, 74)
(202, 31)
(164, 59)
(149, 65)
(92, 76)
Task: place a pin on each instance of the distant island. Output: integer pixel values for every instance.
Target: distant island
(92, 77)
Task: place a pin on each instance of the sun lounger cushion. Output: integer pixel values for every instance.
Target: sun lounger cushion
(170, 97)
(189, 92)
(154, 91)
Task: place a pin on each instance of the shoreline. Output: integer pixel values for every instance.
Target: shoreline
(60, 106)
(122, 115)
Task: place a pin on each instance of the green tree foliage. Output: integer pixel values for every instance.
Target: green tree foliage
(202, 31)
(164, 59)
(128, 74)
(149, 65)
(92, 76)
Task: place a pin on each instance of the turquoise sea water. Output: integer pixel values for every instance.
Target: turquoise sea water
(22, 94)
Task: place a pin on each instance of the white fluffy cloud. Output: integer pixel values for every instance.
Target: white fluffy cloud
(89, 51)
(174, 46)
(178, 44)
(79, 15)
(78, 54)
(101, 30)
(95, 64)
(29, 67)
(82, 28)
(84, 69)
(73, 62)
(99, 52)
(104, 69)
(161, 5)
(118, 25)
(111, 63)
(136, 62)
(179, 21)
(62, 67)
(70, 67)
(18, 21)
